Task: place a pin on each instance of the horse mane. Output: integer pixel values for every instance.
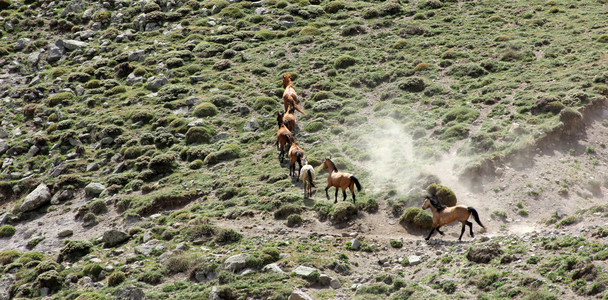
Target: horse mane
(440, 207)
(333, 165)
(287, 80)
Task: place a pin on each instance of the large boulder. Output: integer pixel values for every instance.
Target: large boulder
(237, 262)
(74, 44)
(38, 197)
(112, 238)
(484, 253)
(94, 189)
(299, 295)
(130, 293)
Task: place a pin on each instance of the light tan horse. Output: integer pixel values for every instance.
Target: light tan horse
(340, 180)
(282, 136)
(307, 174)
(443, 215)
(295, 155)
(289, 95)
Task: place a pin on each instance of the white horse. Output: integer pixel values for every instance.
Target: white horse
(307, 174)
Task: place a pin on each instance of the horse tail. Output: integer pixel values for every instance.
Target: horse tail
(475, 216)
(299, 158)
(310, 178)
(298, 108)
(356, 181)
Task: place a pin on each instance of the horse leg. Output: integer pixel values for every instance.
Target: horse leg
(327, 194)
(470, 228)
(352, 192)
(336, 196)
(430, 233)
(462, 232)
(441, 232)
(344, 195)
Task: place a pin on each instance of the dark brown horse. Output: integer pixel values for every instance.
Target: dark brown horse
(340, 180)
(282, 136)
(443, 215)
(296, 154)
(289, 95)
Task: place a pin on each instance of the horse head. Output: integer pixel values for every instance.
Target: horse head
(292, 139)
(286, 80)
(279, 118)
(427, 203)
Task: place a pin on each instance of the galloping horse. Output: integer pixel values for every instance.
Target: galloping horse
(307, 174)
(443, 215)
(295, 155)
(340, 180)
(282, 136)
(289, 117)
(289, 95)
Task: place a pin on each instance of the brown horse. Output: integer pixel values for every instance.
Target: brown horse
(443, 215)
(289, 117)
(295, 155)
(307, 174)
(340, 180)
(282, 136)
(289, 95)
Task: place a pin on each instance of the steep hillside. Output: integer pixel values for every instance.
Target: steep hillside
(138, 153)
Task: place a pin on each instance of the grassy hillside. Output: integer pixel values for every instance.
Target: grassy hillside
(171, 107)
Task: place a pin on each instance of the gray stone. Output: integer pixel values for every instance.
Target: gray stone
(79, 90)
(195, 123)
(92, 167)
(112, 238)
(154, 83)
(74, 44)
(65, 233)
(335, 283)
(251, 125)
(220, 136)
(299, 295)
(204, 276)
(138, 55)
(3, 147)
(62, 196)
(133, 79)
(94, 189)
(261, 11)
(54, 54)
(36, 198)
(21, 44)
(355, 244)
(75, 6)
(56, 171)
(272, 268)
(3, 133)
(196, 78)
(130, 293)
(213, 295)
(324, 279)
(4, 216)
(244, 110)
(34, 58)
(6, 282)
(414, 260)
(107, 141)
(151, 247)
(304, 271)
(237, 262)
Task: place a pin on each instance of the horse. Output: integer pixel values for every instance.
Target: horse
(289, 117)
(289, 95)
(295, 155)
(340, 180)
(443, 215)
(282, 136)
(307, 174)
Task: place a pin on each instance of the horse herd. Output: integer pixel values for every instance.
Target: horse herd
(286, 122)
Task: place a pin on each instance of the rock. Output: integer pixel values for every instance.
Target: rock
(74, 44)
(6, 282)
(324, 279)
(34, 58)
(414, 260)
(65, 233)
(92, 167)
(220, 136)
(335, 283)
(213, 295)
(4, 217)
(132, 79)
(251, 125)
(304, 271)
(3, 147)
(62, 196)
(149, 248)
(299, 295)
(21, 44)
(56, 171)
(138, 55)
(237, 262)
(36, 198)
(355, 244)
(204, 276)
(94, 189)
(272, 268)
(54, 54)
(130, 293)
(196, 123)
(244, 110)
(75, 6)
(261, 11)
(196, 78)
(154, 84)
(112, 238)
(484, 253)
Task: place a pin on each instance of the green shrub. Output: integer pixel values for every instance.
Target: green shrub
(51, 280)
(205, 109)
(60, 98)
(287, 210)
(79, 77)
(344, 61)
(29, 257)
(164, 163)
(221, 100)
(314, 126)
(461, 114)
(227, 152)
(4, 4)
(442, 193)
(309, 31)
(163, 140)
(132, 152)
(102, 16)
(93, 84)
(468, 69)
(232, 12)
(8, 256)
(227, 236)
(263, 101)
(334, 7)
(396, 244)
(116, 278)
(151, 277)
(199, 135)
(417, 217)
(196, 164)
(172, 92)
(343, 211)
(98, 207)
(93, 269)
(412, 84)
(7, 231)
(74, 250)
